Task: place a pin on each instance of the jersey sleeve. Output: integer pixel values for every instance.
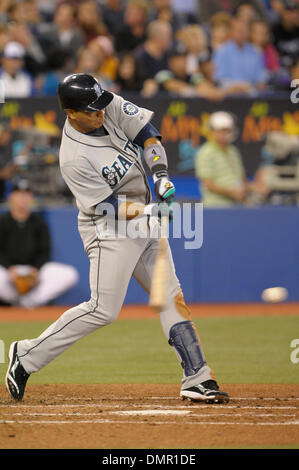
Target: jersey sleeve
(129, 117)
(87, 186)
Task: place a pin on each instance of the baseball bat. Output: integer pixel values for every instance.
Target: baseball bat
(159, 286)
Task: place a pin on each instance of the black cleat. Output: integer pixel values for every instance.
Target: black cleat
(16, 376)
(207, 391)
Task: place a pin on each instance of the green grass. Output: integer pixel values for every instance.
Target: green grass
(239, 350)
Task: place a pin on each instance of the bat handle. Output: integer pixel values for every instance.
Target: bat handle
(164, 226)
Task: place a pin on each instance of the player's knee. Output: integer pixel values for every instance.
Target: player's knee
(103, 315)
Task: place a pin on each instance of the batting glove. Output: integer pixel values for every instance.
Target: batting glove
(164, 188)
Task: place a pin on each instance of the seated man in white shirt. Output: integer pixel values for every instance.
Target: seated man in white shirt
(17, 83)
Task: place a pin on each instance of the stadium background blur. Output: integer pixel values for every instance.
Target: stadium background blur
(172, 57)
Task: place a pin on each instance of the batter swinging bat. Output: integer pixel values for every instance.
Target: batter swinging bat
(159, 285)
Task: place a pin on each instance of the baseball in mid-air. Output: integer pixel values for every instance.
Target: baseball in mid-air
(274, 294)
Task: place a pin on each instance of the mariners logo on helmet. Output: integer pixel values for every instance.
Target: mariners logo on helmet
(98, 90)
(130, 109)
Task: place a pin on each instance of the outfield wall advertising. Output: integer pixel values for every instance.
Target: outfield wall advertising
(183, 123)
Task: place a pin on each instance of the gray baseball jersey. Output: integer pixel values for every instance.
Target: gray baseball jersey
(94, 167)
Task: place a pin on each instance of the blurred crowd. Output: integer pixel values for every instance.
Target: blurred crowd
(208, 48)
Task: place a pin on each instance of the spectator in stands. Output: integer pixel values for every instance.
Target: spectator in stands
(153, 56)
(218, 165)
(47, 8)
(4, 36)
(260, 38)
(274, 11)
(208, 86)
(176, 80)
(17, 83)
(187, 10)
(247, 12)
(24, 29)
(104, 49)
(208, 8)
(25, 251)
(163, 10)
(7, 167)
(133, 33)
(237, 62)
(62, 33)
(194, 40)
(128, 76)
(89, 20)
(286, 32)
(112, 12)
(293, 74)
(219, 29)
(88, 61)
(260, 35)
(18, 12)
(4, 9)
(33, 16)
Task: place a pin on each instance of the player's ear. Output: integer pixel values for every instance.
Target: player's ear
(71, 113)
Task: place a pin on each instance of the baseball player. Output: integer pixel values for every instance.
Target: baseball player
(101, 163)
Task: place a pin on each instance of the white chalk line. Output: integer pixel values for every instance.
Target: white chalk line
(184, 423)
(193, 406)
(111, 398)
(202, 415)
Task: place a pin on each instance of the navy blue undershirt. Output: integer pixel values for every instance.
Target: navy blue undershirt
(146, 132)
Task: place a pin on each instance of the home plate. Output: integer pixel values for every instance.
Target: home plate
(152, 412)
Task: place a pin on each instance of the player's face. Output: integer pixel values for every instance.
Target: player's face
(86, 121)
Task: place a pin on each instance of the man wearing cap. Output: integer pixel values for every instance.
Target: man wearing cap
(218, 165)
(16, 82)
(27, 276)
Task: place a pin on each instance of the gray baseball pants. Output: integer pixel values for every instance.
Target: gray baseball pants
(112, 264)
